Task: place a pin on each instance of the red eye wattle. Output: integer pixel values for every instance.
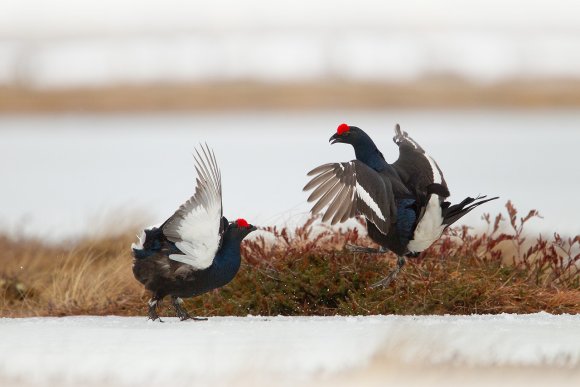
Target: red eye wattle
(242, 223)
(342, 128)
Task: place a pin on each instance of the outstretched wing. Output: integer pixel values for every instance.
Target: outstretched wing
(351, 189)
(417, 169)
(196, 227)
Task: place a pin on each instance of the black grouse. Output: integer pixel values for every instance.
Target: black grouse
(403, 203)
(196, 250)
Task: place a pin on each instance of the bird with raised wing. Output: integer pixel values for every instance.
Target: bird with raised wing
(403, 203)
(194, 251)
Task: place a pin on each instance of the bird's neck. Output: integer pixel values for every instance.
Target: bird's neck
(228, 257)
(367, 152)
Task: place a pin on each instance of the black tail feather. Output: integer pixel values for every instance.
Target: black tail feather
(452, 213)
(439, 189)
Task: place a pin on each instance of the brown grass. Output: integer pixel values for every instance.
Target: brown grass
(426, 93)
(89, 277)
(307, 272)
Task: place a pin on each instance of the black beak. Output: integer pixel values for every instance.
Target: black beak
(335, 138)
(253, 228)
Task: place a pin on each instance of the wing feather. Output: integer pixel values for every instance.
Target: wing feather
(323, 177)
(344, 206)
(337, 202)
(349, 189)
(328, 196)
(196, 227)
(321, 168)
(323, 188)
(417, 169)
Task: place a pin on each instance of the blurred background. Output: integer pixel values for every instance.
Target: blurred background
(102, 103)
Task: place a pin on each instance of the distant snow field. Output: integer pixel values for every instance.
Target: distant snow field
(127, 41)
(522, 349)
(107, 172)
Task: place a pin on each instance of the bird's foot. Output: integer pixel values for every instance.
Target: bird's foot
(156, 318)
(152, 313)
(392, 275)
(188, 317)
(365, 250)
(182, 313)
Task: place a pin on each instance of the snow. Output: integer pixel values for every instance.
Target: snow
(110, 171)
(278, 350)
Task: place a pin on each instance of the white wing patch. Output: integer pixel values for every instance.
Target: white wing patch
(195, 226)
(412, 142)
(403, 137)
(430, 226)
(437, 178)
(367, 198)
(201, 238)
(346, 189)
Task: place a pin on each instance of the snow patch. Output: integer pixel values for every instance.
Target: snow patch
(134, 351)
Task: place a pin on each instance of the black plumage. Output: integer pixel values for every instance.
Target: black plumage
(403, 203)
(194, 251)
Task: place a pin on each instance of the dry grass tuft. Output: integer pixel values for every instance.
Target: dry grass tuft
(91, 277)
(307, 272)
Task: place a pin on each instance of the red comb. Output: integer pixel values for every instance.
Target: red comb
(242, 223)
(342, 128)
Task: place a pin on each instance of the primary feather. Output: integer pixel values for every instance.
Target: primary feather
(195, 226)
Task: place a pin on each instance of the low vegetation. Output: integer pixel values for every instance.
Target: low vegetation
(307, 272)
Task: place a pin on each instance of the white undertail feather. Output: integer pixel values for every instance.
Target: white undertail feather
(142, 237)
(139, 244)
(430, 226)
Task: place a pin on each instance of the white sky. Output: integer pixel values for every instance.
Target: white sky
(39, 18)
(71, 43)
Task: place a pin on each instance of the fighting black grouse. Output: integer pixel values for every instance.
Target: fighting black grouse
(403, 203)
(194, 251)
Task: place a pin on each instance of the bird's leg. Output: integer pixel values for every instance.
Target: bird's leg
(181, 312)
(365, 250)
(392, 275)
(153, 309)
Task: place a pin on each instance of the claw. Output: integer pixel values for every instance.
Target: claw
(392, 275)
(181, 312)
(194, 318)
(186, 316)
(364, 250)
